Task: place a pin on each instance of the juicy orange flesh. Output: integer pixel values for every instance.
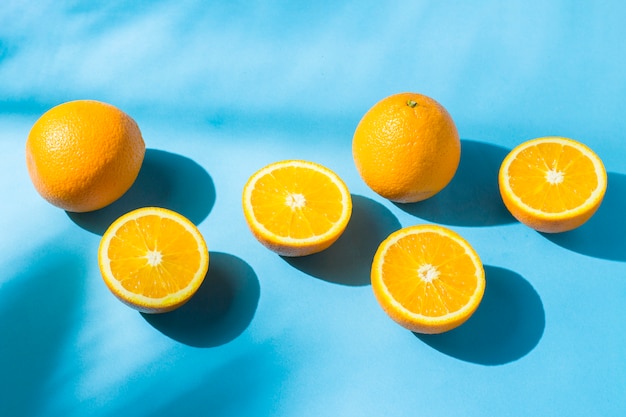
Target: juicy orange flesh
(296, 202)
(572, 173)
(153, 256)
(429, 274)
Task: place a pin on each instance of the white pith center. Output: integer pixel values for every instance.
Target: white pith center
(295, 201)
(154, 257)
(427, 273)
(554, 177)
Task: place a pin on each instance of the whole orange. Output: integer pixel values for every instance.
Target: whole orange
(83, 155)
(406, 147)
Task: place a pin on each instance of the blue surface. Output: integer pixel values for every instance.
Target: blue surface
(220, 89)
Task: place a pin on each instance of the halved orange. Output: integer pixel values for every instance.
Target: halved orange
(427, 278)
(153, 259)
(552, 184)
(295, 207)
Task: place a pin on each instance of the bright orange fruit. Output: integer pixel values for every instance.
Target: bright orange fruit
(83, 155)
(296, 208)
(552, 184)
(153, 259)
(406, 147)
(427, 278)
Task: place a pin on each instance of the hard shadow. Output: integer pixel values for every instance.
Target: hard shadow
(604, 235)
(37, 309)
(349, 259)
(472, 198)
(221, 309)
(508, 324)
(165, 180)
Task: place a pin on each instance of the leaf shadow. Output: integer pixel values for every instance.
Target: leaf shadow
(349, 259)
(37, 308)
(257, 375)
(508, 324)
(165, 180)
(604, 235)
(221, 309)
(472, 198)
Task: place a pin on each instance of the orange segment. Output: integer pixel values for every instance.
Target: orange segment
(296, 208)
(552, 184)
(153, 259)
(427, 278)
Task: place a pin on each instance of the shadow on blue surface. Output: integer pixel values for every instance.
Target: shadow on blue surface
(248, 383)
(604, 235)
(34, 107)
(472, 198)
(221, 309)
(507, 325)
(349, 259)
(37, 311)
(165, 180)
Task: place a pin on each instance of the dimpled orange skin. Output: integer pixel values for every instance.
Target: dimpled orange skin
(83, 155)
(406, 147)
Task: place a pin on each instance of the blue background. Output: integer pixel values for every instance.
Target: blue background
(221, 89)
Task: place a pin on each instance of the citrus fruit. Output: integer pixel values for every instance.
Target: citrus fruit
(153, 259)
(427, 278)
(296, 208)
(552, 184)
(83, 155)
(406, 147)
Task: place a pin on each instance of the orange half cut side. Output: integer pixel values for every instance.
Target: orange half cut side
(552, 184)
(153, 259)
(427, 278)
(295, 207)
